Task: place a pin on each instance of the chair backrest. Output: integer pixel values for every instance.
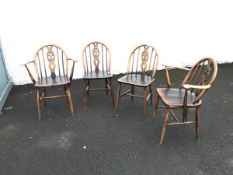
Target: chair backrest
(203, 72)
(96, 57)
(143, 59)
(51, 61)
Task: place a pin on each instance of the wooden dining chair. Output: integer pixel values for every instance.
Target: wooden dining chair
(197, 81)
(142, 66)
(50, 68)
(96, 58)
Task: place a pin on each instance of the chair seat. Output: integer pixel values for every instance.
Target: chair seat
(136, 79)
(97, 75)
(174, 97)
(46, 82)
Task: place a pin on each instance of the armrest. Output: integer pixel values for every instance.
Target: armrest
(29, 62)
(177, 67)
(189, 86)
(72, 69)
(29, 73)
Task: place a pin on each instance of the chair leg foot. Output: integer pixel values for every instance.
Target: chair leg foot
(164, 128)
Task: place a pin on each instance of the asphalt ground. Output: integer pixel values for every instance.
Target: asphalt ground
(98, 141)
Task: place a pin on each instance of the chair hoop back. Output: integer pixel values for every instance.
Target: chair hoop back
(143, 59)
(204, 72)
(96, 57)
(51, 61)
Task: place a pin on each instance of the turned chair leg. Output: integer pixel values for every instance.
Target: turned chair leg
(111, 91)
(155, 108)
(45, 94)
(69, 96)
(151, 95)
(118, 97)
(88, 85)
(185, 114)
(164, 128)
(85, 94)
(106, 85)
(197, 120)
(65, 89)
(145, 100)
(132, 91)
(38, 102)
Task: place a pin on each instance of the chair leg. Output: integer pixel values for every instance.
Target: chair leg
(145, 100)
(197, 120)
(118, 97)
(185, 114)
(106, 85)
(67, 99)
(38, 102)
(155, 108)
(88, 85)
(85, 86)
(164, 128)
(45, 94)
(132, 91)
(69, 96)
(151, 95)
(111, 90)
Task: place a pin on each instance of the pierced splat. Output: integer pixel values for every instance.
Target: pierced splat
(51, 60)
(206, 74)
(144, 58)
(96, 54)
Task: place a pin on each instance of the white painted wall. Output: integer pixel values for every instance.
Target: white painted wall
(181, 30)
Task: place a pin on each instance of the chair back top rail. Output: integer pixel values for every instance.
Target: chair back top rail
(204, 72)
(143, 59)
(51, 61)
(96, 57)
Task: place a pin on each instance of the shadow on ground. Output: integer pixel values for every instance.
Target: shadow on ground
(97, 141)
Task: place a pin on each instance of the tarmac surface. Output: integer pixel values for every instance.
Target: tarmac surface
(99, 142)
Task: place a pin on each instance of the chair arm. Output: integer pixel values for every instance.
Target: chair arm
(72, 69)
(29, 72)
(176, 67)
(190, 86)
(29, 62)
(168, 81)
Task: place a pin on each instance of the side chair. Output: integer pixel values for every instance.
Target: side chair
(142, 66)
(96, 58)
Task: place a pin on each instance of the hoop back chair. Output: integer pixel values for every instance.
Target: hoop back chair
(50, 68)
(142, 66)
(96, 58)
(197, 81)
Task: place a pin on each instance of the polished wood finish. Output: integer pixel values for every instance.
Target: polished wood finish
(96, 59)
(197, 81)
(142, 66)
(50, 68)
